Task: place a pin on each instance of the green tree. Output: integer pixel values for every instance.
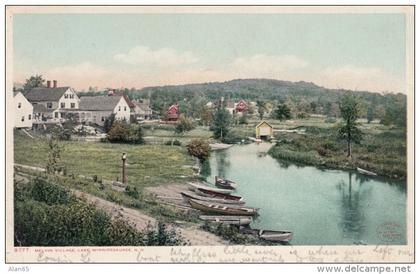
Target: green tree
(54, 164)
(370, 114)
(282, 112)
(221, 123)
(119, 132)
(199, 148)
(185, 124)
(261, 109)
(206, 116)
(108, 122)
(349, 109)
(34, 81)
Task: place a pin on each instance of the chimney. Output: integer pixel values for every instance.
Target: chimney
(54, 83)
(48, 84)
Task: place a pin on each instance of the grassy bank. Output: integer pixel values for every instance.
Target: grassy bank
(382, 150)
(146, 164)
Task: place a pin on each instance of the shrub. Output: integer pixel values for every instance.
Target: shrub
(302, 115)
(199, 148)
(173, 143)
(185, 124)
(132, 192)
(119, 132)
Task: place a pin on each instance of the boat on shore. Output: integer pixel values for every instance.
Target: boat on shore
(224, 183)
(228, 220)
(366, 172)
(223, 209)
(269, 235)
(212, 194)
(187, 195)
(193, 187)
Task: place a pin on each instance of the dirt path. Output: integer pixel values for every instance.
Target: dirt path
(190, 232)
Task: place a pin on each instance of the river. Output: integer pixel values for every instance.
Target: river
(321, 207)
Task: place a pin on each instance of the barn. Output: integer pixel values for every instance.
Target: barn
(264, 131)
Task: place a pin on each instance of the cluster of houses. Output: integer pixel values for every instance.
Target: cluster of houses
(54, 105)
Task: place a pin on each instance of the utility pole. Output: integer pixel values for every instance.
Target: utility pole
(124, 157)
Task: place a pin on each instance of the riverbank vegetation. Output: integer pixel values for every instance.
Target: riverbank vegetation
(47, 214)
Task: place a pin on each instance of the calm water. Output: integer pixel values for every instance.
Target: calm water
(319, 206)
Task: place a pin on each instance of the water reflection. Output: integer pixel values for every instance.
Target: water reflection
(351, 210)
(222, 163)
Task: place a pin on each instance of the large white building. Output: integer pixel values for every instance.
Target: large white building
(95, 109)
(51, 103)
(23, 111)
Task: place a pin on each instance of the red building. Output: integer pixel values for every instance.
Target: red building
(173, 113)
(241, 106)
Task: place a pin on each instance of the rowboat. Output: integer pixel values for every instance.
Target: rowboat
(212, 194)
(366, 172)
(223, 183)
(193, 187)
(222, 208)
(229, 220)
(187, 195)
(269, 235)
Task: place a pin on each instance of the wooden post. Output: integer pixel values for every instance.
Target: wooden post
(124, 157)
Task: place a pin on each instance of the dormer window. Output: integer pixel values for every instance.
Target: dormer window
(49, 105)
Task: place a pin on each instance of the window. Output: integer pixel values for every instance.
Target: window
(19, 105)
(125, 108)
(29, 117)
(63, 105)
(23, 119)
(49, 105)
(72, 105)
(66, 96)
(56, 114)
(119, 108)
(102, 119)
(71, 96)
(62, 114)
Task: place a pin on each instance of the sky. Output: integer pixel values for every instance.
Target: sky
(351, 51)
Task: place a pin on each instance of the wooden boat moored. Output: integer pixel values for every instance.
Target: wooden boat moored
(193, 187)
(269, 235)
(223, 209)
(187, 195)
(229, 220)
(212, 194)
(366, 172)
(223, 183)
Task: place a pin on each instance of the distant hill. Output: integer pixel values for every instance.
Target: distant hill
(254, 89)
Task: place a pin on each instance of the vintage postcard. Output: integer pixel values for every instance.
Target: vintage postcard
(218, 134)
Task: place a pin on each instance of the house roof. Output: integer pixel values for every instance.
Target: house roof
(38, 108)
(46, 94)
(120, 93)
(262, 123)
(143, 106)
(99, 102)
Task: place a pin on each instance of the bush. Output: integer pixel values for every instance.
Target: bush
(132, 192)
(119, 132)
(302, 115)
(173, 143)
(185, 124)
(199, 148)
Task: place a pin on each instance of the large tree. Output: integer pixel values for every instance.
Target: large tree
(261, 109)
(349, 131)
(221, 123)
(282, 112)
(34, 81)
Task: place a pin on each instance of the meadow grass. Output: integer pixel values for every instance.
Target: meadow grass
(146, 164)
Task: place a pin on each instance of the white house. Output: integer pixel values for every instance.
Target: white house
(23, 110)
(95, 109)
(57, 101)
